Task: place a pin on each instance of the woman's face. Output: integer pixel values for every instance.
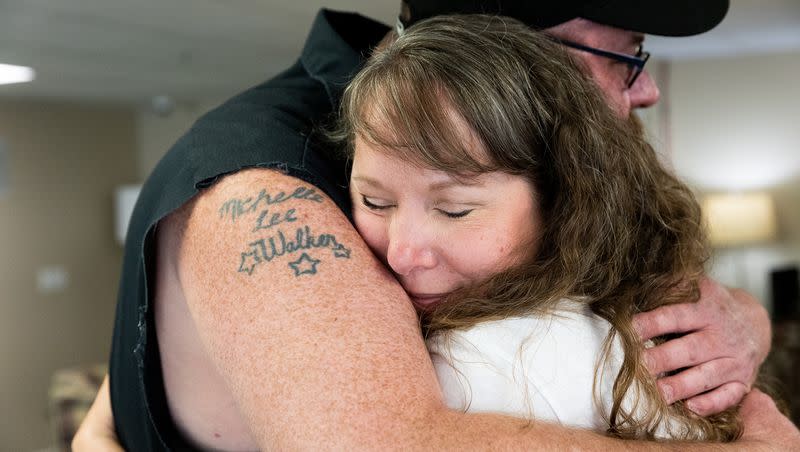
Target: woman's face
(438, 234)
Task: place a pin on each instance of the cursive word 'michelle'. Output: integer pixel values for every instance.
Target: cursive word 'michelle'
(237, 207)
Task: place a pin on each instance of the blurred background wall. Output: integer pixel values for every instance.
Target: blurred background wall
(60, 264)
(728, 125)
(735, 129)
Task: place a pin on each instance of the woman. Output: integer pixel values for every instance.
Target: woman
(527, 223)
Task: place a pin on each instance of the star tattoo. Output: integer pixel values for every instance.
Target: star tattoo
(306, 265)
(249, 262)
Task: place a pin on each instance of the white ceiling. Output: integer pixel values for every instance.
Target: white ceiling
(130, 50)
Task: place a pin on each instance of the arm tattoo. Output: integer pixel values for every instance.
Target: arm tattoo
(303, 241)
(238, 207)
(304, 266)
(274, 220)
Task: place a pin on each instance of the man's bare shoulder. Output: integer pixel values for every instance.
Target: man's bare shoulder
(293, 308)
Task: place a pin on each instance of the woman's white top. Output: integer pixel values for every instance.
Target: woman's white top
(534, 367)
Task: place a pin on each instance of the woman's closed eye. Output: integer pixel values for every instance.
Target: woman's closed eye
(375, 204)
(459, 214)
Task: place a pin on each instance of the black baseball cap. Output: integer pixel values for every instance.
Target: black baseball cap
(657, 17)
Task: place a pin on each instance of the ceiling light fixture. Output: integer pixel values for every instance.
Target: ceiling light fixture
(10, 73)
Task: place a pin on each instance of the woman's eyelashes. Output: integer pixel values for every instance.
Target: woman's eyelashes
(374, 204)
(460, 214)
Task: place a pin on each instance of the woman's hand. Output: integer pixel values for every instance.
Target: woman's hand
(728, 336)
(97, 430)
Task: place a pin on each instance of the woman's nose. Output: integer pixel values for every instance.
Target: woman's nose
(409, 248)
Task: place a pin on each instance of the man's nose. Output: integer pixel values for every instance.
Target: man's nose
(409, 249)
(644, 93)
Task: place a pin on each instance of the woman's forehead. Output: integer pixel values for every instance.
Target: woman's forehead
(446, 141)
(380, 167)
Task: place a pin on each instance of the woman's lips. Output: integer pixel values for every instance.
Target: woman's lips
(425, 300)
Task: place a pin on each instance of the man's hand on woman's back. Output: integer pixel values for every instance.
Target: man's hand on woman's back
(727, 338)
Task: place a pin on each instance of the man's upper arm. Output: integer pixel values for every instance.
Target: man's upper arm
(315, 338)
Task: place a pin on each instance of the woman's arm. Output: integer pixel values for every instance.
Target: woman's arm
(96, 433)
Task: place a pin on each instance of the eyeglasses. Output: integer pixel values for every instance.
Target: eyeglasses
(635, 62)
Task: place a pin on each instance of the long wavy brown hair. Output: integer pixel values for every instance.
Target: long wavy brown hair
(620, 232)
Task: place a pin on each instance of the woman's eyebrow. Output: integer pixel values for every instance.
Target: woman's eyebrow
(368, 181)
(443, 185)
(435, 186)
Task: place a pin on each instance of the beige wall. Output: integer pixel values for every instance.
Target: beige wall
(734, 127)
(64, 163)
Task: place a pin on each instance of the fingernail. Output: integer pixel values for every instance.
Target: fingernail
(692, 406)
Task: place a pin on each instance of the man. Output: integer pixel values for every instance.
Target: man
(251, 315)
